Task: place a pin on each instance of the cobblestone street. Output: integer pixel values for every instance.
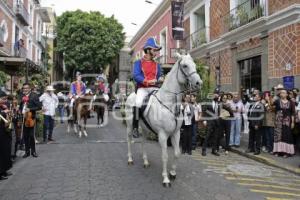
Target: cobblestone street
(96, 168)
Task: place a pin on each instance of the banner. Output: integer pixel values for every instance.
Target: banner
(177, 20)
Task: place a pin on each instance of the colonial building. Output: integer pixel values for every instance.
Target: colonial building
(54, 62)
(22, 46)
(158, 25)
(124, 69)
(246, 43)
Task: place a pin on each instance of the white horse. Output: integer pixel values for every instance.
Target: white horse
(163, 112)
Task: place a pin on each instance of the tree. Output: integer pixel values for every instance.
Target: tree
(88, 40)
(207, 86)
(3, 78)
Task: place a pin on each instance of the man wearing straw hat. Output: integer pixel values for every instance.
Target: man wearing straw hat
(50, 102)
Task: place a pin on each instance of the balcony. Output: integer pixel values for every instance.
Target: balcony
(196, 39)
(1, 37)
(42, 42)
(21, 13)
(19, 51)
(243, 14)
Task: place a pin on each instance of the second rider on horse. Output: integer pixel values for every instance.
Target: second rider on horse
(147, 73)
(78, 88)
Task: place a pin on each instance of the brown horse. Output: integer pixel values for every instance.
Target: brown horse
(80, 113)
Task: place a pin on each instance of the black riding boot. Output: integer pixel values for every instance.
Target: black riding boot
(135, 122)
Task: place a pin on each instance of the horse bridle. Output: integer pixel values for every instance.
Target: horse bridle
(187, 76)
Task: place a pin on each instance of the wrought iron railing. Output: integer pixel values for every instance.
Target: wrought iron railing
(19, 51)
(14, 50)
(243, 14)
(195, 39)
(21, 12)
(42, 42)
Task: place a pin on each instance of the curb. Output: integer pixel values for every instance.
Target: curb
(267, 161)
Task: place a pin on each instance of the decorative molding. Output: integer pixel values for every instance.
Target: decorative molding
(161, 9)
(192, 5)
(285, 17)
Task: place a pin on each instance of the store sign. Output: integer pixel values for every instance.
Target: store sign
(177, 20)
(288, 82)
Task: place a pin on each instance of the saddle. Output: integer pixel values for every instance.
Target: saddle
(145, 108)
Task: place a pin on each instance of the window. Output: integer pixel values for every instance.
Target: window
(4, 31)
(254, 3)
(250, 73)
(163, 44)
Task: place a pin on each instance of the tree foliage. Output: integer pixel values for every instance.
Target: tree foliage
(3, 78)
(88, 39)
(205, 75)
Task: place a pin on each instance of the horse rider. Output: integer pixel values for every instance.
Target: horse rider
(147, 73)
(78, 88)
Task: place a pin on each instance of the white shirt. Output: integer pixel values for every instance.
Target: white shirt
(239, 105)
(187, 115)
(50, 103)
(298, 107)
(197, 111)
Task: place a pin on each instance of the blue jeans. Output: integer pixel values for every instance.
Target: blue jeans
(48, 126)
(269, 137)
(61, 113)
(235, 132)
(194, 135)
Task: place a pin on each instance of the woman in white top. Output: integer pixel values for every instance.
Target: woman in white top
(187, 110)
(195, 118)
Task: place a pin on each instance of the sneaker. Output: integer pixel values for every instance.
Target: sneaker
(26, 155)
(264, 149)
(249, 151)
(3, 178)
(135, 133)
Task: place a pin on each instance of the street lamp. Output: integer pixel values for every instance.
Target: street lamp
(150, 2)
(133, 23)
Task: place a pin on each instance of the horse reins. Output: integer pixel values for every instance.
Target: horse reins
(177, 111)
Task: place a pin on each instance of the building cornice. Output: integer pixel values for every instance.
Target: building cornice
(285, 17)
(190, 5)
(160, 10)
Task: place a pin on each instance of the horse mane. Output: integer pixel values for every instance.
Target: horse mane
(173, 70)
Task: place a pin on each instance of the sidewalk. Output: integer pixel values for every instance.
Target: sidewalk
(289, 164)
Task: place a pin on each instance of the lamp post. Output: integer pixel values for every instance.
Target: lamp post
(46, 46)
(150, 2)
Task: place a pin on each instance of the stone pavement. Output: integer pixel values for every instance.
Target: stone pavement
(290, 164)
(96, 167)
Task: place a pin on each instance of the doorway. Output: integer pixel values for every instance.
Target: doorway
(250, 73)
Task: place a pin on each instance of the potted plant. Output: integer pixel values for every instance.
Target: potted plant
(242, 15)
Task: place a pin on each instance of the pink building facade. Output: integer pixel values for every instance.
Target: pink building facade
(158, 25)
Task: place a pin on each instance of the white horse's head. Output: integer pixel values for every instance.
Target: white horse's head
(187, 73)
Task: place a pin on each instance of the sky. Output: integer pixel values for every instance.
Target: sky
(126, 11)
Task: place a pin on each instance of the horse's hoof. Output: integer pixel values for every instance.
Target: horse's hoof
(167, 185)
(130, 163)
(146, 166)
(172, 177)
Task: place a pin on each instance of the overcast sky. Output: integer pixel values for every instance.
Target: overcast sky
(126, 11)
